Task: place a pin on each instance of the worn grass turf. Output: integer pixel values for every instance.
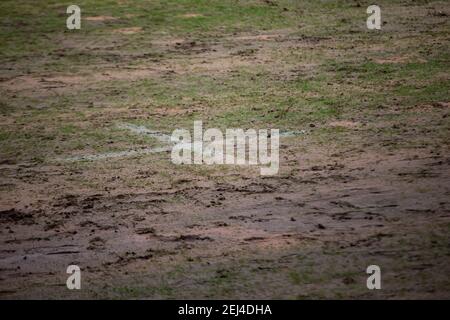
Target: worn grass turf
(371, 167)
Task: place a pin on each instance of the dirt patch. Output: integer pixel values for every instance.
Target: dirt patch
(400, 59)
(263, 37)
(218, 222)
(345, 124)
(191, 15)
(131, 30)
(14, 216)
(31, 85)
(100, 18)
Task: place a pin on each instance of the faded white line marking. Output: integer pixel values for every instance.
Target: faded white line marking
(141, 130)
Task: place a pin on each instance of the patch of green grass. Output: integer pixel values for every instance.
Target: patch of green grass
(69, 129)
(299, 278)
(425, 93)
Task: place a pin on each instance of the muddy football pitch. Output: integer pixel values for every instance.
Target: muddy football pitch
(87, 179)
